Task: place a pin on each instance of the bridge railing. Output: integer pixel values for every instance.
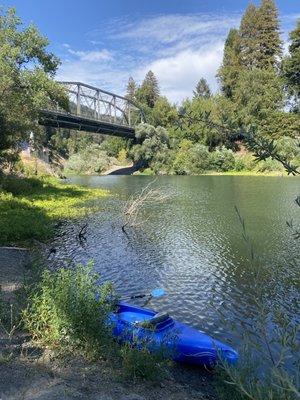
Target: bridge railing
(93, 103)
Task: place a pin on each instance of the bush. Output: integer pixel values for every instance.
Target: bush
(200, 159)
(91, 160)
(139, 362)
(239, 164)
(122, 156)
(154, 142)
(191, 159)
(223, 159)
(113, 145)
(269, 165)
(68, 310)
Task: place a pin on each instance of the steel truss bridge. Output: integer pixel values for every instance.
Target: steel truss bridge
(94, 110)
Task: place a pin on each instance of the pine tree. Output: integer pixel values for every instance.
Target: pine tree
(149, 92)
(202, 89)
(291, 66)
(249, 33)
(270, 45)
(229, 71)
(131, 89)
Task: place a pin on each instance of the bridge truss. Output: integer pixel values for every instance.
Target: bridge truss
(94, 110)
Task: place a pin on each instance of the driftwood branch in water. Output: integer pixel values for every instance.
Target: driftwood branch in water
(135, 204)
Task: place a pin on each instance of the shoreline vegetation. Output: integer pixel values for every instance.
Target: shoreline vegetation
(251, 124)
(51, 317)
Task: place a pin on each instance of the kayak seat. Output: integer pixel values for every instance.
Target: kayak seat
(154, 321)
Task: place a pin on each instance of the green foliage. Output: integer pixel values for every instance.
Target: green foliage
(202, 89)
(30, 207)
(68, 310)
(24, 91)
(291, 67)
(91, 160)
(148, 92)
(122, 156)
(163, 113)
(260, 40)
(258, 93)
(268, 35)
(139, 362)
(113, 145)
(222, 160)
(131, 89)
(231, 66)
(154, 143)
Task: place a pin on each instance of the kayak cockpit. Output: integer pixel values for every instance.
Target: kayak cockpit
(143, 318)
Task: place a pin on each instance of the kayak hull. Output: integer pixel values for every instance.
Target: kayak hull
(176, 340)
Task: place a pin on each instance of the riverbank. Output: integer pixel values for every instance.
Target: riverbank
(149, 172)
(31, 372)
(31, 209)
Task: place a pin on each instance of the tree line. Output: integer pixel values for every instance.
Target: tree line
(259, 88)
(259, 91)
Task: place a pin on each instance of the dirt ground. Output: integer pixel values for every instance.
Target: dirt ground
(30, 373)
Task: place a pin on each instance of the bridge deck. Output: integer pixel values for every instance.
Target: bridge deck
(57, 119)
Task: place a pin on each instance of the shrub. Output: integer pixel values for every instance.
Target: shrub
(122, 156)
(139, 362)
(191, 159)
(91, 160)
(269, 165)
(113, 145)
(223, 159)
(239, 164)
(199, 159)
(68, 311)
(153, 142)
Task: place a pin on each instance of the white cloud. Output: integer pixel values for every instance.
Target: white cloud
(178, 48)
(91, 56)
(179, 74)
(167, 29)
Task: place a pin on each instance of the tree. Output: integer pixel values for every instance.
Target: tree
(258, 94)
(131, 89)
(261, 46)
(163, 113)
(154, 145)
(149, 92)
(249, 37)
(270, 45)
(291, 66)
(26, 84)
(229, 71)
(202, 89)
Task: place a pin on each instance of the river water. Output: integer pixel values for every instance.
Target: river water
(192, 243)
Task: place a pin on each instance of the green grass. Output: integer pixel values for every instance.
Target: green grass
(30, 207)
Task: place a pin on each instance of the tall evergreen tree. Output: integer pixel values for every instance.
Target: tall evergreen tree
(149, 92)
(249, 33)
(270, 45)
(202, 89)
(229, 71)
(131, 89)
(291, 66)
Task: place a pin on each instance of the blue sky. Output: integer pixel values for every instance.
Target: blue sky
(104, 42)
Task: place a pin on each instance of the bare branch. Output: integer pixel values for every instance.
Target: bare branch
(135, 204)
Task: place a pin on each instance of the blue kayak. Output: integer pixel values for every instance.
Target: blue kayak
(142, 327)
